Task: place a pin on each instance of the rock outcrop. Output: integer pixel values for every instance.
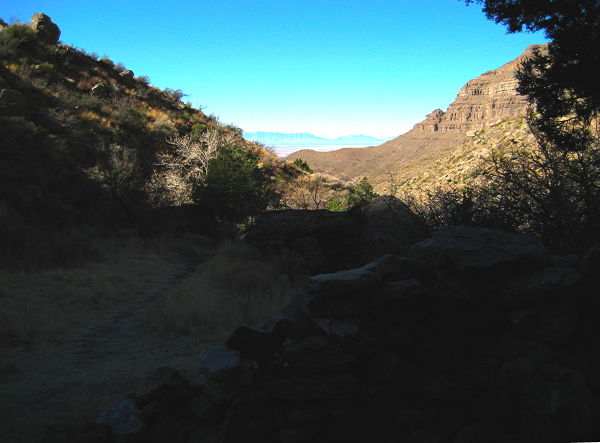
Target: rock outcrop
(45, 29)
(330, 241)
(12, 102)
(482, 101)
(471, 337)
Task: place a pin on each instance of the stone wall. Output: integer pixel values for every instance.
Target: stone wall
(473, 336)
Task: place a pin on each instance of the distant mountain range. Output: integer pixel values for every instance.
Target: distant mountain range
(304, 138)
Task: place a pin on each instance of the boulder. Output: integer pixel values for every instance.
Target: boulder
(314, 258)
(344, 282)
(429, 251)
(157, 408)
(167, 429)
(322, 386)
(481, 250)
(254, 343)
(394, 267)
(312, 355)
(565, 261)
(165, 383)
(206, 411)
(220, 392)
(12, 102)
(557, 410)
(408, 291)
(127, 77)
(391, 227)
(248, 419)
(125, 419)
(553, 324)
(327, 240)
(100, 90)
(219, 363)
(535, 289)
(45, 29)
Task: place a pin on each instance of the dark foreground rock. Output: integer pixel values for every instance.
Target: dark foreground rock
(483, 342)
(332, 241)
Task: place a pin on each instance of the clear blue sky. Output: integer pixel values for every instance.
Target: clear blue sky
(327, 67)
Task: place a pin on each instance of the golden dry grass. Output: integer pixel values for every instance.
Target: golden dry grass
(36, 305)
(236, 286)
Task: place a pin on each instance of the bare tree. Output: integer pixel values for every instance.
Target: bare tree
(182, 168)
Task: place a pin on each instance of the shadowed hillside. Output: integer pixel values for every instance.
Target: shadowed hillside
(88, 146)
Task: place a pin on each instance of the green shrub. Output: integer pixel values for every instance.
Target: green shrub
(16, 37)
(336, 205)
(198, 129)
(362, 194)
(235, 188)
(175, 94)
(144, 80)
(107, 61)
(301, 164)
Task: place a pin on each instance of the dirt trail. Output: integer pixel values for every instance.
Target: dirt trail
(73, 376)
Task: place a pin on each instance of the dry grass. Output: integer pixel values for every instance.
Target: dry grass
(237, 286)
(36, 305)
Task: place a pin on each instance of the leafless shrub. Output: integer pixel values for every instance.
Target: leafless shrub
(184, 166)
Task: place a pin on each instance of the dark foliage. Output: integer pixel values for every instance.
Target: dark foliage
(554, 189)
(235, 188)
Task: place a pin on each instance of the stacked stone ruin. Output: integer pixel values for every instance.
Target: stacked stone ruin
(475, 336)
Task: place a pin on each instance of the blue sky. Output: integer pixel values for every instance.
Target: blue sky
(327, 67)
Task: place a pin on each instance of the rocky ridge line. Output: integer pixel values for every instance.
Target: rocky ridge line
(481, 102)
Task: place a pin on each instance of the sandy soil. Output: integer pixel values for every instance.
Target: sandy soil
(75, 374)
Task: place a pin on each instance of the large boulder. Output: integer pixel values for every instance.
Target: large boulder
(392, 227)
(482, 250)
(332, 241)
(344, 282)
(125, 419)
(45, 29)
(328, 241)
(11, 102)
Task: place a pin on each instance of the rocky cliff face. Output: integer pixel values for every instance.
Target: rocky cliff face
(480, 103)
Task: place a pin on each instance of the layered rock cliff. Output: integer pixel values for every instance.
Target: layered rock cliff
(480, 103)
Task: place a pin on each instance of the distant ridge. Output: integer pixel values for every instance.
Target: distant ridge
(480, 104)
(304, 138)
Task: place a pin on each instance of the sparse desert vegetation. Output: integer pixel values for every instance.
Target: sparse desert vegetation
(36, 305)
(237, 285)
(109, 322)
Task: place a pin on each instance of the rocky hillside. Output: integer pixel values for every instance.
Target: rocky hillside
(481, 103)
(87, 142)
